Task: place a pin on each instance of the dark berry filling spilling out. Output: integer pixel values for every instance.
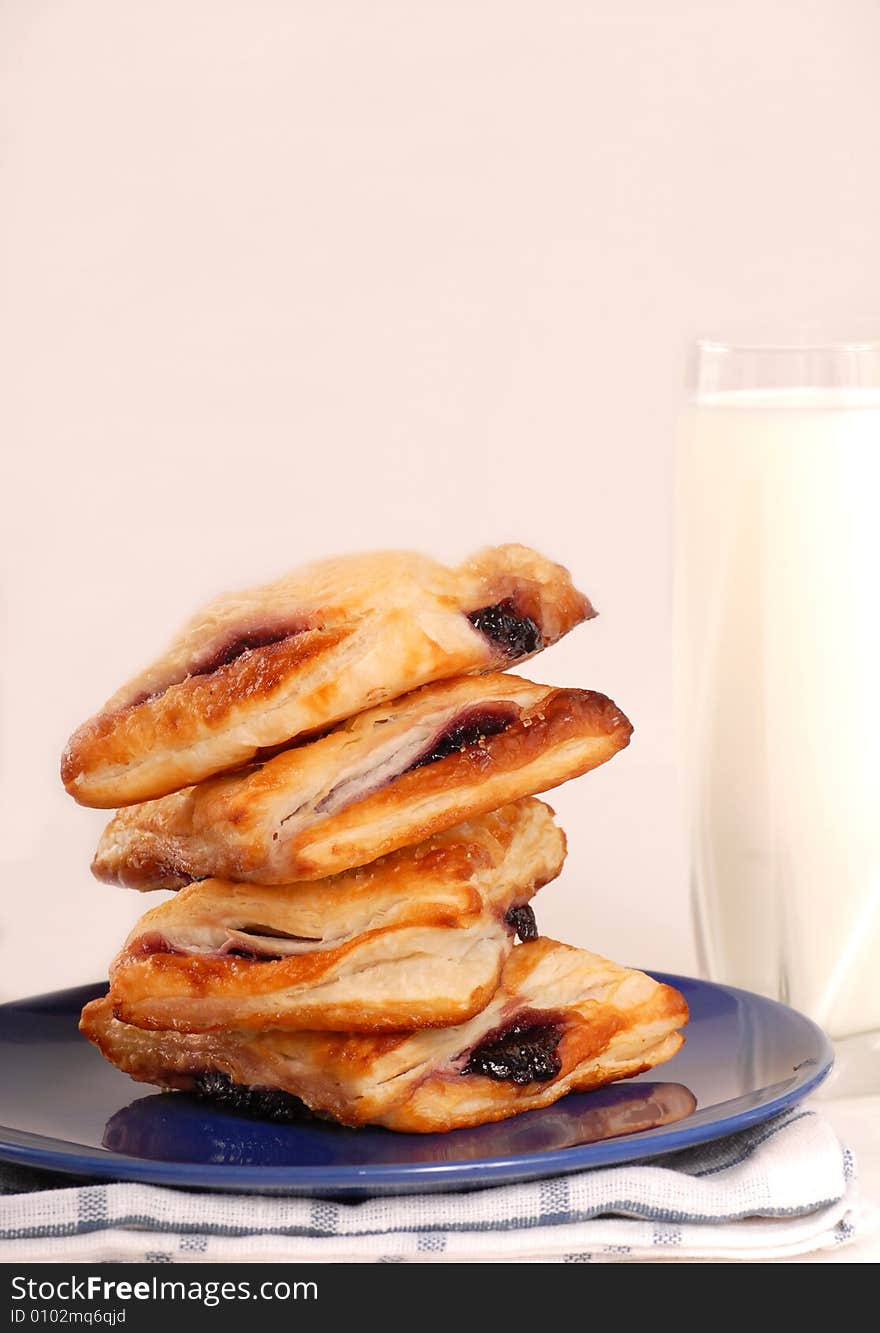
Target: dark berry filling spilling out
(467, 729)
(523, 1052)
(522, 921)
(516, 635)
(266, 1103)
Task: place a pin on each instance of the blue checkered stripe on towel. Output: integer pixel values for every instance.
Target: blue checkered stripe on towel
(772, 1170)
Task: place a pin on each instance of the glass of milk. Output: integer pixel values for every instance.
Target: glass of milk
(778, 604)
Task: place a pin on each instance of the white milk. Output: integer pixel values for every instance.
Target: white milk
(779, 617)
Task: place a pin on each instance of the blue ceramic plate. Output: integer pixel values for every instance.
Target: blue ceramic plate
(62, 1107)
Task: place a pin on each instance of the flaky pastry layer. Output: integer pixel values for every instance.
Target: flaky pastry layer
(582, 1021)
(389, 777)
(254, 670)
(416, 939)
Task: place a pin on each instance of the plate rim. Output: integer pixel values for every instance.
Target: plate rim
(361, 1179)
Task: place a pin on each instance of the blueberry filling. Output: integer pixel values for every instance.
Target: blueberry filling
(524, 1052)
(267, 1103)
(220, 657)
(522, 921)
(517, 635)
(466, 730)
(237, 647)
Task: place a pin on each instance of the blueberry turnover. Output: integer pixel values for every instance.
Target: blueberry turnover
(562, 1020)
(417, 939)
(390, 777)
(337, 774)
(256, 669)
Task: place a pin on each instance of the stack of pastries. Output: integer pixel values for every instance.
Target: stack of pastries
(337, 776)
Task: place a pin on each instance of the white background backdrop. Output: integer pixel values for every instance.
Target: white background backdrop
(284, 278)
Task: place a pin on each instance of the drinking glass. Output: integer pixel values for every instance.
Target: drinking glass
(778, 608)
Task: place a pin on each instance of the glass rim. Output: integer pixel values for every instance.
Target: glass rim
(793, 345)
(808, 360)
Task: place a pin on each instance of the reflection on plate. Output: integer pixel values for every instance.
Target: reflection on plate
(171, 1127)
(63, 1107)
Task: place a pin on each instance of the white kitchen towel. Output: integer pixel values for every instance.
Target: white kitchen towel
(783, 1188)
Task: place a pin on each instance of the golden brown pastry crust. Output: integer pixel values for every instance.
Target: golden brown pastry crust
(349, 797)
(417, 939)
(257, 669)
(614, 1023)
